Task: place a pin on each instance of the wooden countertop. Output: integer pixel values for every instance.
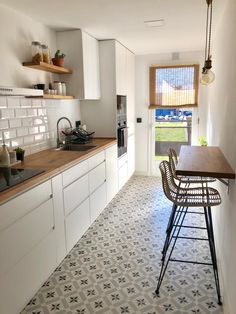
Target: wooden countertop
(53, 162)
(205, 161)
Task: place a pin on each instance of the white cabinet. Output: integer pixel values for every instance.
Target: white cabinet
(111, 172)
(96, 177)
(131, 155)
(130, 74)
(82, 56)
(77, 223)
(122, 170)
(28, 251)
(97, 201)
(75, 193)
(121, 76)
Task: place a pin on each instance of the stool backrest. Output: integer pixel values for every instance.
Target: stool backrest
(168, 183)
(173, 160)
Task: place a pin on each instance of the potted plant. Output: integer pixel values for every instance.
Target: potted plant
(202, 141)
(59, 58)
(20, 152)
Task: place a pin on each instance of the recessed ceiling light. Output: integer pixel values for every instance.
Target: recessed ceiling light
(155, 23)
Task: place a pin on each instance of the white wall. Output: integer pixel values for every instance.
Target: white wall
(222, 132)
(17, 31)
(143, 165)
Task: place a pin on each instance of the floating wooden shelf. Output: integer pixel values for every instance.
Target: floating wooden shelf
(47, 67)
(46, 96)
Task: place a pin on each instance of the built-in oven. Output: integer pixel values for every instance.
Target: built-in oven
(122, 129)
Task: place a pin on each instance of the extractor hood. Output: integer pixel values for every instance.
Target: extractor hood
(16, 91)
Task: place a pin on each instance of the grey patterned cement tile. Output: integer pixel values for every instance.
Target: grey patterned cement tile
(114, 267)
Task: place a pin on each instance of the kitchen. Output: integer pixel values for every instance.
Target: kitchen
(31, 123)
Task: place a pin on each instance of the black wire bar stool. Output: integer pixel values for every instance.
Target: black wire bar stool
(183, 198)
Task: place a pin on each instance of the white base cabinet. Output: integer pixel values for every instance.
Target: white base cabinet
(111, 172)
(97, 202)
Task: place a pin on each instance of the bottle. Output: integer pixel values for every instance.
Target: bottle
(58, 87)
(37, 55)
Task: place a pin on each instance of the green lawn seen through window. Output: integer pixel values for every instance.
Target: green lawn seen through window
(169, 132)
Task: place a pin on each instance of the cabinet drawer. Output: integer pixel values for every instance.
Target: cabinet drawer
(74, 173)
(76, 224)
(97, 202)
(23, 204)
(75, 193)
(96, 177)
(122, 160)
(95, 160)
(18, 239)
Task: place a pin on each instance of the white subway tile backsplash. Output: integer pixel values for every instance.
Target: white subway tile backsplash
(33, 130)
(22, 131)
(42, 112)
(42, 128)
(29, 139)
(9, 134)
(39, 137)
(38, 121)
(21, 112)
(32, 112)
(25, 102)
(36, 102)
(4, 124)
(13, 102)
(3, 101)
(7, 113)
(27, 122)
(15, 123)
(17, 142)
(35, 148)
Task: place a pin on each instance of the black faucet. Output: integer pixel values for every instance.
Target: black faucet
(58, 136)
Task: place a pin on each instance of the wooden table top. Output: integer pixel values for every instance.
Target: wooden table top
(205, 161)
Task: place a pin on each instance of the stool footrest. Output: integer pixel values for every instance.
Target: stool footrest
(190, 238)
(189, 262)
(190, 227)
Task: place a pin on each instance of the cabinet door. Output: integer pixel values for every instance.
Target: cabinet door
(120, 69)
(131, 155)
(111, 172)
(76, 224)
(97, 202)
(123, 174)
(75, 193)
(96, 177)
(130, 70)
(91, 67)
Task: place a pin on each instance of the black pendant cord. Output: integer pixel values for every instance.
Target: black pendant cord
(210, 26)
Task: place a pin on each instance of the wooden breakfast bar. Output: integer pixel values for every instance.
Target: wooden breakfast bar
(204, 161)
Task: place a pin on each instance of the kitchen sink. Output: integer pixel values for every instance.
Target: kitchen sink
(76, 147)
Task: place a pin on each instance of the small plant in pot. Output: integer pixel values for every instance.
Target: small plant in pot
(59, 58)
(20, 153)
(202, 141)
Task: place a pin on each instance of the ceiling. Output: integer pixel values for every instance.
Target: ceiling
(183, 30)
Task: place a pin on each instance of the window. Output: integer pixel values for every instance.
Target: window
(174, 86)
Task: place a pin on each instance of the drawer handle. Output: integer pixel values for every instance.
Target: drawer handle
(51, 196)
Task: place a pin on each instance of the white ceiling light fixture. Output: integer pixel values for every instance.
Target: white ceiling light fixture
(155, 23)
(207, 75)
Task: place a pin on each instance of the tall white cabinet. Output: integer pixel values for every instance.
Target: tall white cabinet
(117, 69)
(82, 55)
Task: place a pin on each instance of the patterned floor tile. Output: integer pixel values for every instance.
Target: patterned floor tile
(114, 267)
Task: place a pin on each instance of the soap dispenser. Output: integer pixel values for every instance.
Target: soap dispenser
(4, 155)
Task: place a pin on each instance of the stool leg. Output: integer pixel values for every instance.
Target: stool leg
(169, 227)
(164, 265)
(210, 232)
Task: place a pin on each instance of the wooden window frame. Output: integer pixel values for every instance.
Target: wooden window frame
(152, 85)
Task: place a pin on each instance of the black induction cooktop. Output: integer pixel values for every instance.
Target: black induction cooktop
(12, 176)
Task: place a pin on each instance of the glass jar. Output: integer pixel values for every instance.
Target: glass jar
(46, 54)
(58, 87)
(37, 55)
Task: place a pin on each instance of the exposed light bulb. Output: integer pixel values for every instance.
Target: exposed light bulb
(207, 77)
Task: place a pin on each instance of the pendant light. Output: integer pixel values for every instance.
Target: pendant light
(207, 75)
